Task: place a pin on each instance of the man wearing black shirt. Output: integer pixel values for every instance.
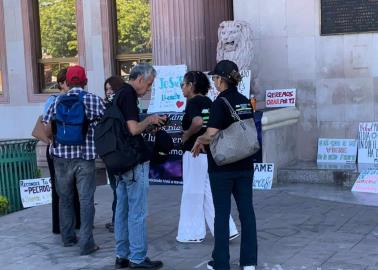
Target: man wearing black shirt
(132, 186)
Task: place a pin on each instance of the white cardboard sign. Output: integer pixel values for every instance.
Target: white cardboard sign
(337, 150)
(368, 142)
(280, 98)
(166, 95)
(367, 181)
(263, 175)
(35, 192)
(244, 86)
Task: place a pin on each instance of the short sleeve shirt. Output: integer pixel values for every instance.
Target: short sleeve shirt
(220, 118)
(94, 110)
(128, 103)
(50, 100)
(196, 106)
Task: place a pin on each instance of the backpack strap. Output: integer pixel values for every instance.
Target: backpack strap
(115, 102)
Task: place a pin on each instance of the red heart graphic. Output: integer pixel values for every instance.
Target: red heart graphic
(179, 104)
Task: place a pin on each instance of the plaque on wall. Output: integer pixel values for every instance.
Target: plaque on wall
(348, 16)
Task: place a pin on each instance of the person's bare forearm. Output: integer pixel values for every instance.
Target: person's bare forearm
(138, 127)
(208, 136)
(194, 128)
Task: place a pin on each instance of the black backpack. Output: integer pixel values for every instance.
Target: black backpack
(119, 150)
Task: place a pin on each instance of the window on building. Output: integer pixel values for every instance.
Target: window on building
(56, 40)
(132, 34)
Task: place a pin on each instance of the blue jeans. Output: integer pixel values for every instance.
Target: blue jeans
(238, 184)
(131, 212)
(67, 170)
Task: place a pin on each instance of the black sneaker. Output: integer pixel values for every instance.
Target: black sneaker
(210, 265)
(121, 263)
(146, 264)
(71, 242)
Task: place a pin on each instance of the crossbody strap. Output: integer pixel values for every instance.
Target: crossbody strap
(232, 111)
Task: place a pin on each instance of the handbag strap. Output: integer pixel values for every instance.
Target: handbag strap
(232, 111)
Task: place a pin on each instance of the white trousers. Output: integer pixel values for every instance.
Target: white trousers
(197, 201)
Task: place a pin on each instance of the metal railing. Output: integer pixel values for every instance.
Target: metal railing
(17, 162)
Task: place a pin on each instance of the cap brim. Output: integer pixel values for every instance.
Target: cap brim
(211, 72)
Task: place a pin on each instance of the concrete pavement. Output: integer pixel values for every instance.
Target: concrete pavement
(296, 231)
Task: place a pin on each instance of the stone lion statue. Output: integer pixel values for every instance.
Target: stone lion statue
(235, 44)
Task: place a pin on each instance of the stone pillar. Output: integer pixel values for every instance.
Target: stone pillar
(185, 31)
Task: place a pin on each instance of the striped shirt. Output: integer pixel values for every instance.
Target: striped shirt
(94, 109)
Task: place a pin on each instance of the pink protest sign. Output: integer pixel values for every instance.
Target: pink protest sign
(367, 181)
(280, 98)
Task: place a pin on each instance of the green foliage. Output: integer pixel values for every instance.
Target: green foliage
(58, 27)
(134, 26)
(59, 33)
(4, 205)
(38, 173)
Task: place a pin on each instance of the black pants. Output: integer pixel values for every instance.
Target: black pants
(239, 184)
(55, 197)
(113, 185)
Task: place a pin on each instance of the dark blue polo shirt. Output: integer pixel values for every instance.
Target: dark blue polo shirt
(220, 118)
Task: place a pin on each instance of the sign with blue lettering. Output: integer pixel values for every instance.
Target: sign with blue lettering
(35, 192)
(263, 175)
(337, 150)
(166, 95)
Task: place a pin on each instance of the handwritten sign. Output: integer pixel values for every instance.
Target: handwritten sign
(280, 98)
(337, 166)
(166, 95)
(263, 175)
(337, 150)
(35, 192)
(244, 86)
(368, 142)
(367, 181)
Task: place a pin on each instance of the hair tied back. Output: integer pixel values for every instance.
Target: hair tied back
(236, 76)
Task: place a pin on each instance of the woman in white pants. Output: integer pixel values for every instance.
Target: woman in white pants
(197, 206)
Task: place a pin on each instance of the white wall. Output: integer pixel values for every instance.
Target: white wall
(19, 116)
(336, 76)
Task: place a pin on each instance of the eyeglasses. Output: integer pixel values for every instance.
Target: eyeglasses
(215, 77)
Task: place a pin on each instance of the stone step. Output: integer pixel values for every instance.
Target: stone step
(313, 173)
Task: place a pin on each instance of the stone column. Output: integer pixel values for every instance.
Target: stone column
(185, 31)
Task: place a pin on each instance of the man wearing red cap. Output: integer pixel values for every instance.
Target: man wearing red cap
(76, 160)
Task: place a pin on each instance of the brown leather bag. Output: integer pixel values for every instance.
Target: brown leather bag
(42, 132)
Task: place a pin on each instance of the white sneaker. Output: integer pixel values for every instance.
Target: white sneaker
(232, 237)
(190, 241)
(249, 267)
(210, 265)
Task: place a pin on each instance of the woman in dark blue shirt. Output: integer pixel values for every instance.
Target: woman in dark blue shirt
(234, 178)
